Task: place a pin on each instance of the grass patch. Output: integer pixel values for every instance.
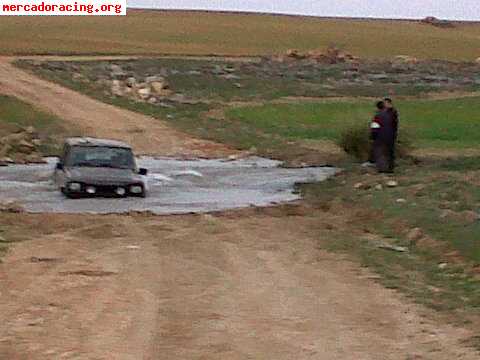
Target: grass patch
(428, 191)
(16, 114)
(434, 123)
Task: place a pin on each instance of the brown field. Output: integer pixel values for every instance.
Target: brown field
(184, 32)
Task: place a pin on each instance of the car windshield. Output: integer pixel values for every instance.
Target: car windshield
(100, 156)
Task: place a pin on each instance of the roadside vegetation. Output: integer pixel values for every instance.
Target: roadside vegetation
(197, 33)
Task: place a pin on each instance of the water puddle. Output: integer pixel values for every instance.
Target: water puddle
(175, 187)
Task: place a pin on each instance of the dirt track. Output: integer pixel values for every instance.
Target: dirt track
(253, 284)
(201, 287)
(94, 118)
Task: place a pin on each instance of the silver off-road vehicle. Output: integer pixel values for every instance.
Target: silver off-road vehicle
(97, 167)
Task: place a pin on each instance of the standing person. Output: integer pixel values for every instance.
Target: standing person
(391, 108)
(384, 134)
(394, 113)
(375, 126)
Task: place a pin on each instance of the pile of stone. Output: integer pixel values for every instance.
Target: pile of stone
(332, 55)
(149, 89)
(20, 147)
(432, 20)
(153, 89)
(404, 60)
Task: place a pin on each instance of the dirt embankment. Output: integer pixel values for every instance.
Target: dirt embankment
(94, 118)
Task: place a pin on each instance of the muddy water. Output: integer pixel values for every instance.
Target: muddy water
(175, 186)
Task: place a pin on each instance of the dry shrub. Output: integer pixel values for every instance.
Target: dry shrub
(356, 142)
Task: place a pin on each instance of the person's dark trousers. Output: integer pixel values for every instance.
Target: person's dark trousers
(392, 157)
(384, 157)
(371, 155)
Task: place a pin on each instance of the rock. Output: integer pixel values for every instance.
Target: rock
(392, 183)
(116, 72)
(11, 208)
(30, 130)
(231, 77)
(218, 70)
(7, 160)
(361, 186)
(293, 53)
(116, 88)
(442, 266)
(14, 138)
(477, 61)
(144, 93)
(161, 88)
(401, 201)
(405, 59)
(415, 235)
(154, 78)
(131, 82)
(152, 100)
(25, 147)
(379, 187)
(393, 248)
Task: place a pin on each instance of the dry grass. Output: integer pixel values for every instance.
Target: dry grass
(160, 32)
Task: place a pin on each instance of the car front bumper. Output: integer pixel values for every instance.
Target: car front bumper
(111, 191)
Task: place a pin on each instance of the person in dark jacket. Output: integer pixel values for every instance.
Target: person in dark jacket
(374, 129)
(394, 113)
(384, 130)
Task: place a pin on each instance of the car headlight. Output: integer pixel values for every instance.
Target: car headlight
(74, 186)
(136, 189)
(120, 191)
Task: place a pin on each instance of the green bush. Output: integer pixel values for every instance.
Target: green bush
(356, 142)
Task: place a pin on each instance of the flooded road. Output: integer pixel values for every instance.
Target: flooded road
(175, 187)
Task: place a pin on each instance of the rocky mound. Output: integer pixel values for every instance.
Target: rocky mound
(20, 147)
(332, 55)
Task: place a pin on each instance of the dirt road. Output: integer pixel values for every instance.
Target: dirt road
(94, 118)
(254, 284)
(201, 287)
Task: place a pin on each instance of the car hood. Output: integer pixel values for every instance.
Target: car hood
(103, 176)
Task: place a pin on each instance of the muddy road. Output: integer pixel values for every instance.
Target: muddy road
(175, 186)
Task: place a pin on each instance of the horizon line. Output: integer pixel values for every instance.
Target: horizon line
(325, 17)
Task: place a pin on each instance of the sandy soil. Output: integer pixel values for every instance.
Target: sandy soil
(94, 118)
(234, 286)
(253, 284)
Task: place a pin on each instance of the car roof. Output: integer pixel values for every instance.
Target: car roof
(93, 142)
